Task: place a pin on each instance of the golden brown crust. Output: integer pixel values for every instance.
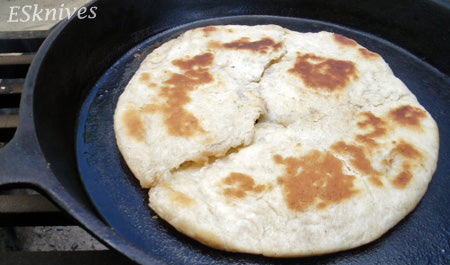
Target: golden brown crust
(408, 116)
(258, 46)
(320, 182)
(344, 40)
(132, 121)
(324, 73)
(238, 185)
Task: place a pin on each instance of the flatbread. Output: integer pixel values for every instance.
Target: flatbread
(303, 143)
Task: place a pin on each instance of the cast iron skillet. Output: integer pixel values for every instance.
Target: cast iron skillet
(65, 146)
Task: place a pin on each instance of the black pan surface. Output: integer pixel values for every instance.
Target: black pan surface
(421, 238)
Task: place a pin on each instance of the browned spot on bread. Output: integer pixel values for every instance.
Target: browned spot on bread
(315, 177)
(207, 30)
(150, 108)
(374, 180)
(189, 66)
(406, 150)
(377, 125)
(387, 162)
(324, 73)
(277, 46)
(407, 115)
(144, 77)
(261, 46)
(134, 126)
(409, 154)
(240, 185)
(359, 161)
(343, 40)
(321, 205)
(213, 45)
(373, 121)
(367, 54)
(358, 158)
(402, 179)
(366, 140)
(176, 90)
(179, 198)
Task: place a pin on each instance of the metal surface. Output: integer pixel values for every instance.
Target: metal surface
(11, 59)
(42, 154)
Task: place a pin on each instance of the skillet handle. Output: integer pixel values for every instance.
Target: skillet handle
(22, 163)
